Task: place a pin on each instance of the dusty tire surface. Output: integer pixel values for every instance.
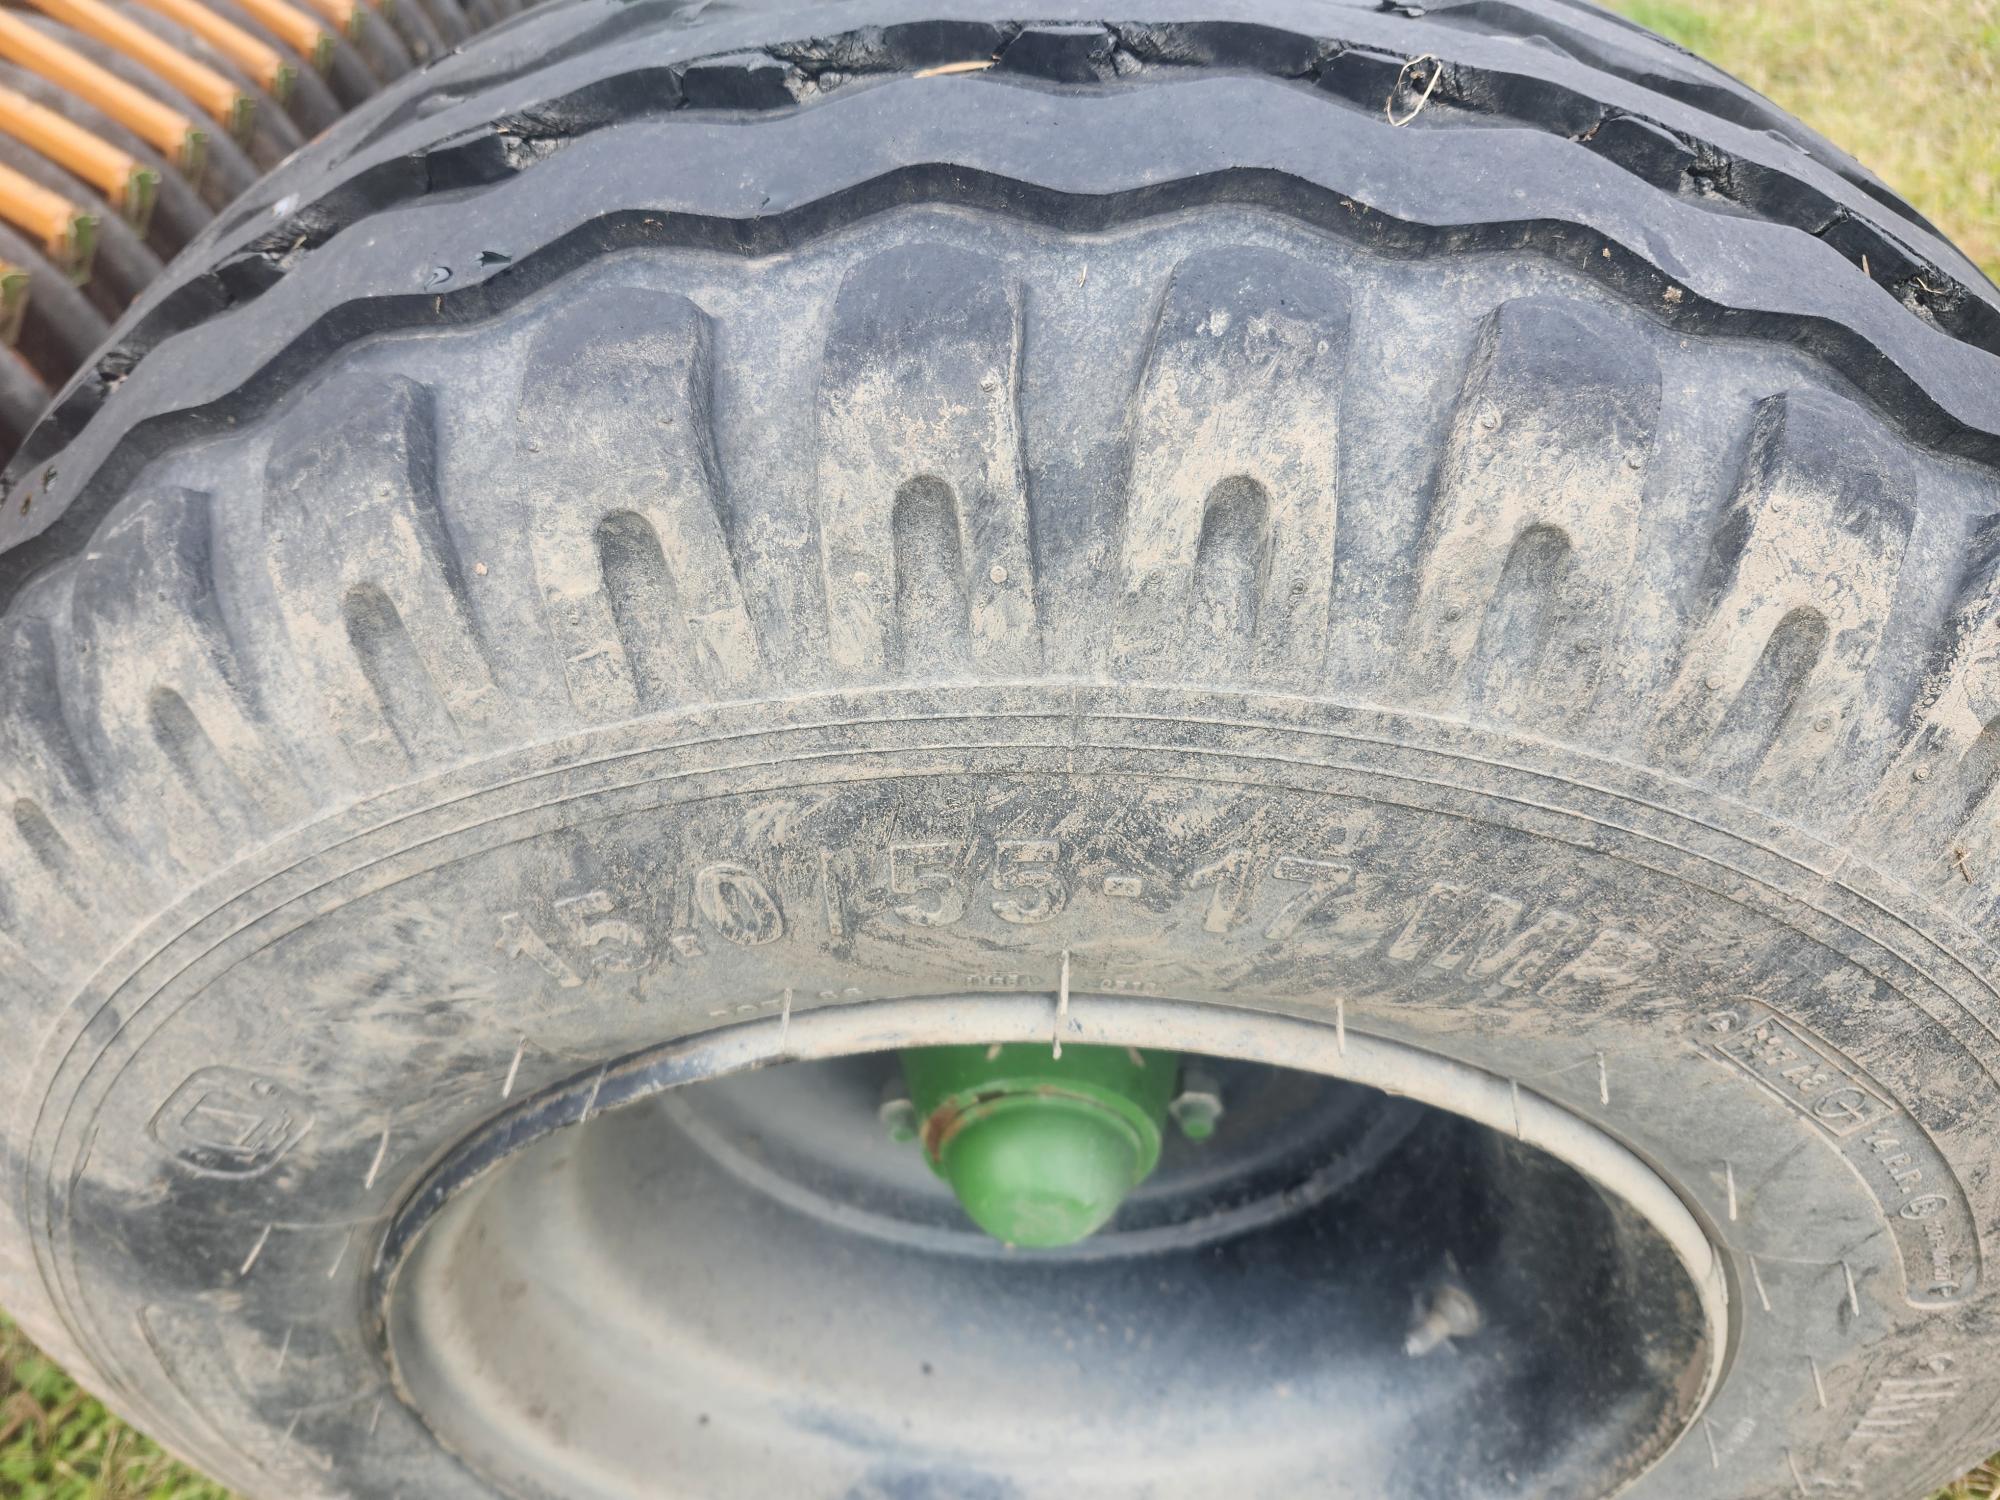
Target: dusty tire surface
(673, 512)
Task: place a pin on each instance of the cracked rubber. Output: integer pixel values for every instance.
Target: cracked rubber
(1566, 522)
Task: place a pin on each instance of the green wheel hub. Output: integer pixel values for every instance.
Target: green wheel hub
(1040, 1149)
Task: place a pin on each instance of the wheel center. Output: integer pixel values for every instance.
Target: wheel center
(1040, 1146)
(793, 1301)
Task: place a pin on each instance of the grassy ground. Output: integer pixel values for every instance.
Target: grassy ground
(1912, 87)
(56, 1443)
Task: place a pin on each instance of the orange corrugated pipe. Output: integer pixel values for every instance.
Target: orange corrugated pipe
(226, 104)
(125, 181)
(263, 62)
(295, 28)
(65, 231)
(167, 130)
(345, 15)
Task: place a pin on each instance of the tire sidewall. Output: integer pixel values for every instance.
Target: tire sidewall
(386, 981)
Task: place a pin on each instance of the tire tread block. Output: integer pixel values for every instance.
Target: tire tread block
(160, 673)
(1541, 484)
(922, 499)
(1227, 552)
(1810, 547)
(624, 515)
(367, 581)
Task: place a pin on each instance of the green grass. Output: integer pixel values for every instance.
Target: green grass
(56, 1443)
(1912, 87)
(1983, 1483)
(1690, 25)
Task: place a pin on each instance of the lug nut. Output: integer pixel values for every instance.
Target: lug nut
(1447, 1313)
(897, 1114)
(1197, 1108)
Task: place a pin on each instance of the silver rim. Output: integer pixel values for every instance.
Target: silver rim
(487, 1341)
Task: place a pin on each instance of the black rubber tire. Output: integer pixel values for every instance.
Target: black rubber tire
(1570, 513)
(419, 33)
(381, 46)
(349, 74)
(22, 397)
(448, 20)
(61, 327)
